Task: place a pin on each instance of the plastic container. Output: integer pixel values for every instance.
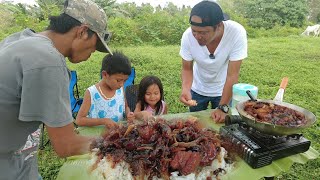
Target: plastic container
(239, 93)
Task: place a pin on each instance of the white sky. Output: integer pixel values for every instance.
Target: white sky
(179, 3)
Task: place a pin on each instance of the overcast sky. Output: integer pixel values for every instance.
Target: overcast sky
(179, 3)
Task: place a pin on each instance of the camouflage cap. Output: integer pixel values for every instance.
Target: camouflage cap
(89, 13)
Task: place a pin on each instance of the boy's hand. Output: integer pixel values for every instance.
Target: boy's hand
(110, 124)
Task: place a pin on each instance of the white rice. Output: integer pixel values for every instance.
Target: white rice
(121, 170)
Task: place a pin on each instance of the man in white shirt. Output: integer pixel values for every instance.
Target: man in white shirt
(212, 50)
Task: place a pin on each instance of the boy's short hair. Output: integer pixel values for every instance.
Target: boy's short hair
(116, 63)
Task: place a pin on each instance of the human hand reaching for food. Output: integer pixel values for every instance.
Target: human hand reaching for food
(130, 117)
(146, 115)
(142, 116)
(110, 123)
(218, 116)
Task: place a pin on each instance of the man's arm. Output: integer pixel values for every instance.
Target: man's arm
(66, 142)
(232, 78)
(187, 78)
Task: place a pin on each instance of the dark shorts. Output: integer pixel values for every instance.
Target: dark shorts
(203, 102)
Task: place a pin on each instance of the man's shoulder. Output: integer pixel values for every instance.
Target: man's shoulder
(32, 50)
(26, 42)
(188, 31)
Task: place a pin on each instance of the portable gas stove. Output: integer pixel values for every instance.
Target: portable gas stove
(259, 149)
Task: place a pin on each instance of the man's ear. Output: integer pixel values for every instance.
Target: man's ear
(220, 24)
(82, 32)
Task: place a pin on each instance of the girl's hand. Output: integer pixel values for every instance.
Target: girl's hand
(130, 117)
(146, 115)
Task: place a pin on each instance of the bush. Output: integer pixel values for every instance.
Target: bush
(276, 31)
(124, 31)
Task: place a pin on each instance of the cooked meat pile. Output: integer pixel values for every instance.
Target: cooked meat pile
(160, 147)
(275, 114)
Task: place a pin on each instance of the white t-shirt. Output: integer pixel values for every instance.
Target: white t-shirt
(209, 75)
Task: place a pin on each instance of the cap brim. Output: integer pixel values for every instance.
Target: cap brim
(226, 17)
(102, 45)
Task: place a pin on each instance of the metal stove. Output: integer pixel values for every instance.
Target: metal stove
(258, 149)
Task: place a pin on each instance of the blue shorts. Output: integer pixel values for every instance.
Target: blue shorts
(203, 102)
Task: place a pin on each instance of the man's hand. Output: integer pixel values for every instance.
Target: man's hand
(218, 116)
(186, 98)
(192, 102)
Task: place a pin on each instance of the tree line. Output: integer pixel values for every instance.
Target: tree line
(131, 24)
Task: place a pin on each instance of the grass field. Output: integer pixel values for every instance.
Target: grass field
(269, 60)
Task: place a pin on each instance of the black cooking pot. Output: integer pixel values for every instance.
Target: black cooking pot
(272, 128)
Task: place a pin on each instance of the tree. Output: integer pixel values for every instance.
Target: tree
(111, 8)
(46, 8)
(268, 13)
(314, 11)
(6, 17)
(229, 7)
(171, 8)
(131, 9)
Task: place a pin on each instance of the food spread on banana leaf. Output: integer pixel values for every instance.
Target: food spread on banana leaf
(161, 149)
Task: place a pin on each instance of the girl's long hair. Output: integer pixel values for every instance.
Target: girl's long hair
(143, 86)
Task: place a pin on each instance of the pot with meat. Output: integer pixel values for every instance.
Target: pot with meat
(275, 117)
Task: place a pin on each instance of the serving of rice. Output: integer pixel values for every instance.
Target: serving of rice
(104, 170)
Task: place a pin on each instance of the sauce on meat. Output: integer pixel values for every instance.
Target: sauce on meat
(160, 147)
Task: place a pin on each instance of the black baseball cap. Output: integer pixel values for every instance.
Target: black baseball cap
(210, 13)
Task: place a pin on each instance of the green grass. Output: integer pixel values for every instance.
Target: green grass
(269, 60)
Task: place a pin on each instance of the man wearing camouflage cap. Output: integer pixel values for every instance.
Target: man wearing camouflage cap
(34, 85)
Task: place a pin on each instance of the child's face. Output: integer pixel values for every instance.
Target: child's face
(115, 81)
(152, 95)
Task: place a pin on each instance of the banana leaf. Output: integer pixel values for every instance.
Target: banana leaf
(78, 167)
